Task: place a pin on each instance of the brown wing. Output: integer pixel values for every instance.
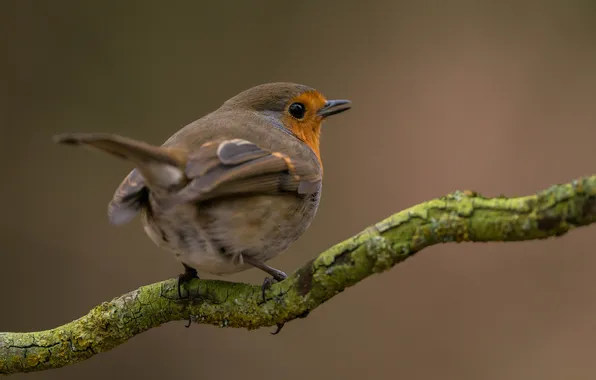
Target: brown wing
(130, 197)
(240, 167)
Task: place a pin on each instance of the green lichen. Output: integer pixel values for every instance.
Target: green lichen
(458, 217)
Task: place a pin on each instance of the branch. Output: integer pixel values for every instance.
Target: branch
(461, 216)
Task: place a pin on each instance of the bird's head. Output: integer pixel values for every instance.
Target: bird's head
(299, 109)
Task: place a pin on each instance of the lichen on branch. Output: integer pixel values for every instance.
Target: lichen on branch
(462, 216)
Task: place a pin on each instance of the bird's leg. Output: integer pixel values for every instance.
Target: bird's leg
(267, 282)
(275, 273)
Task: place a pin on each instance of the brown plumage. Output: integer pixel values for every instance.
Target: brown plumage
(231, 190)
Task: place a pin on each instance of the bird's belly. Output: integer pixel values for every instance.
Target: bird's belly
(213, 236)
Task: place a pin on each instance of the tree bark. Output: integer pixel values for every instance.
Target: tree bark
(462, 216)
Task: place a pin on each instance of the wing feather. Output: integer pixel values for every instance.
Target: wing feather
(221, 168)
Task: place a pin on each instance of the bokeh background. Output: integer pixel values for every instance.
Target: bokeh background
(494, 96)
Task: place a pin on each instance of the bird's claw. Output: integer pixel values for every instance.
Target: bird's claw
(279, 327)
(267, 282)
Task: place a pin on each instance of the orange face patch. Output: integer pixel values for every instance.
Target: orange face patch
(307, 129)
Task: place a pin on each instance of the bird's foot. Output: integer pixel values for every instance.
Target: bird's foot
(189, 274)
(267, 282)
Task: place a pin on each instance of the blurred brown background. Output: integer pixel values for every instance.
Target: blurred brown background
(493, 96)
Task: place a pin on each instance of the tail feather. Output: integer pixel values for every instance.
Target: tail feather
(159, 165)
(123, 147)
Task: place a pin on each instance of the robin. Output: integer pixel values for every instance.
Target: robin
(231, 190)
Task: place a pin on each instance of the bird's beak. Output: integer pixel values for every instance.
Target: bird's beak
(333, 107)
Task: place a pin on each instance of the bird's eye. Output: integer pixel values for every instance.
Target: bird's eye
(297, 110)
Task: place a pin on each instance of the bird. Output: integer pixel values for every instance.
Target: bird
(231, 190)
